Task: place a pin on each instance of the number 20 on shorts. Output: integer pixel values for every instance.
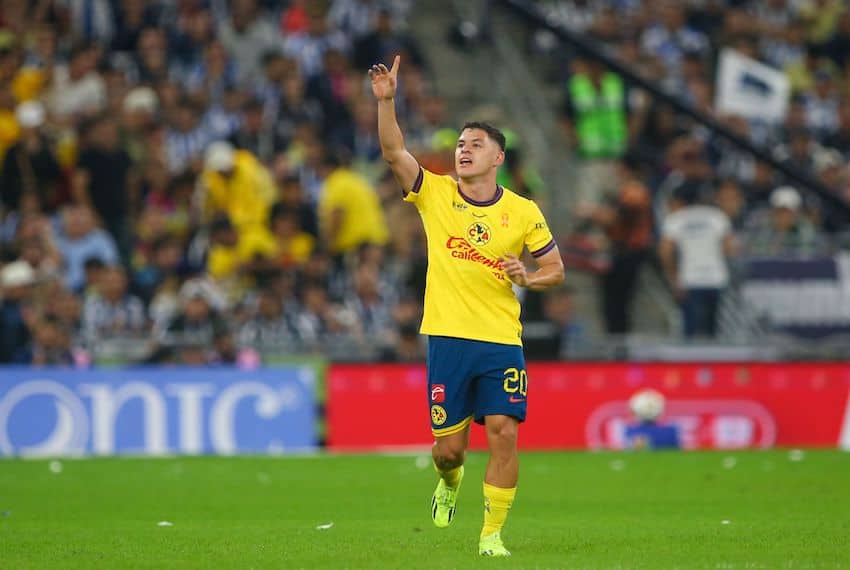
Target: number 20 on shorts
(516, 380)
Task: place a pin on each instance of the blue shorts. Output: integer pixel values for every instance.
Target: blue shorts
(470, 379)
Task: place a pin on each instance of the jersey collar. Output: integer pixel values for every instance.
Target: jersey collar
(490, 202)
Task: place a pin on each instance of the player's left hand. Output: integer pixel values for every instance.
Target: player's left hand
(515, 269)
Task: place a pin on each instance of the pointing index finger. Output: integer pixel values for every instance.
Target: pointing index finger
(396, 61)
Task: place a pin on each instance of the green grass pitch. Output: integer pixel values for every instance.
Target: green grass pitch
(573, 510)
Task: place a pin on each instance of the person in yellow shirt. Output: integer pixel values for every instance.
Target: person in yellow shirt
(235, 183)
(233, 256)
(293, 245)
(476, 231)
(350, 212)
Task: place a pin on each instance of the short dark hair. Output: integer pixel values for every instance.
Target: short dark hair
(491, 131)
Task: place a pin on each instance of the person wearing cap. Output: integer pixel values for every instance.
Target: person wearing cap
(16, 280)
(783, 229)
(235, 183)
(30, 165)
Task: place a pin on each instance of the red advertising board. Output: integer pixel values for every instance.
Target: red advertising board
(574, 406)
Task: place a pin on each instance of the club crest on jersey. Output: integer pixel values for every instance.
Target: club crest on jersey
(438, 393)
(438, 415)
(478, 233)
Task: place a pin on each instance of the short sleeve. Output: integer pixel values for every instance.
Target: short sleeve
(538, 238)
(724, 226)
(669, 229)
(415, 191)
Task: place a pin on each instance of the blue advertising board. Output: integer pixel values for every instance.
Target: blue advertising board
(156, 411)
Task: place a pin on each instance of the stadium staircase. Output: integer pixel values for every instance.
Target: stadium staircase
(479, 55)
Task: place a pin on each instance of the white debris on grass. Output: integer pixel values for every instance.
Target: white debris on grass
(423, 462)
(725, 521)
(729, 462)
(164, 523)
(796, 455)
(324, 526)
(618, 465)
(55, 467)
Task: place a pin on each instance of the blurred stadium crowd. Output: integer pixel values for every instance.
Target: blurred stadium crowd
(658, 187)
(200, 181)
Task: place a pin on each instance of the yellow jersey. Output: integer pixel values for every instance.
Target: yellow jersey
(246, 196)
(362, 216)
(467, 294)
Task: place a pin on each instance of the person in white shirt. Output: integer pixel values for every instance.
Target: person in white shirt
(696, 240)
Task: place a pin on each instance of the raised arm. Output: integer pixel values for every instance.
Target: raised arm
(402, 163)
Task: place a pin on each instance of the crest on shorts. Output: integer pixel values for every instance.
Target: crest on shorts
(478, 233)
(438, 415)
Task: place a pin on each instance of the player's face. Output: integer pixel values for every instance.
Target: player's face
(476, 154)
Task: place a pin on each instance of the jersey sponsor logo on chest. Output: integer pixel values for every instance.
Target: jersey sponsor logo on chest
(460, 248)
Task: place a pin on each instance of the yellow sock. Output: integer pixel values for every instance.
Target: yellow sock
(451, 477)
(497, 503)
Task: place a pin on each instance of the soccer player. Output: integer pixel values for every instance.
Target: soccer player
(476, 232)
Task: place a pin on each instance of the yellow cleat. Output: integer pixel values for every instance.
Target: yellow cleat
(491, 545)
(443, 502)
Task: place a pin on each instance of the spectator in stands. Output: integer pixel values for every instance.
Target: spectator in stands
(782, 230)
(102, 181)
(627, 221)
(196, 322)
(247, 34)
(235, 257)
(349, 211)
(730, 198)
(368, 310)
(41, 254)
(309, 46)
(30, 165)
(384, 42)
(77, 89)
(255, 134)
(269, 328)
(840, 138)
(318, 320)
(213, 76)
(687, 167)
(51, 345)
(80, 240)
(670, 37)
(162, 265)
(596, 121)
(236, 184)
(696, 239)
(187, 137)
(152, 56)
(16, 316)
(294, 246)
(67, 309)
(292, 198)
(93, 268)
(111, 312)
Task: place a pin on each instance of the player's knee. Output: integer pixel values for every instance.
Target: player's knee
(502, 433)
(447, 456)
